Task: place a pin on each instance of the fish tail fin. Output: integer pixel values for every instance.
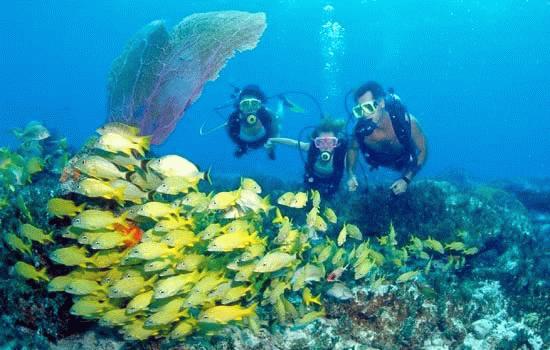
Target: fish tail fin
(43, 275)
(207, 176)
(266, 203)
(145, 142)
(81, 207)
(251, 310)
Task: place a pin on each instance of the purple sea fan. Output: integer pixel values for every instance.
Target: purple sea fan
(161, 74)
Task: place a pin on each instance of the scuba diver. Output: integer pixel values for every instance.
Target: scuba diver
(251, 124)
(387, 135)
(326, 154)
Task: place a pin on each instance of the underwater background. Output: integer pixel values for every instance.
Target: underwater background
(476, 74)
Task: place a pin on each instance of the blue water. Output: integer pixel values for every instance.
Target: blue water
(475, 73)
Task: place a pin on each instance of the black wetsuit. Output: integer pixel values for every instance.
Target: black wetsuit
(326, 184)
(234, 129)
(401, 124)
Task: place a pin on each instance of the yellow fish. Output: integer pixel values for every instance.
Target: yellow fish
(70, 256)
(330, 215)
(157, 265)
(180, 238)
(434, 245)
(29, 272)
(311, 316)
(342, 236)
(58, 284)
(173, 165)
(33, 233)
(162, 318)
(150, 250)
(158, 210)
(363, 268)
(308, 298)
(60, 207)
(274, 261)
(147, 181)
(95, 188)
(171, 286)
(286, 199)
(123, 161)
(106, 258)
(90, 307)
(471, 251)
(174, 185)
(407, 276)
(93, 219)
(84, 287)
(235, 293)
(250, 185)
(17, 243)
(130, 287)
(458, 246)
(119, 128)
(88, 237)
(136, 330)
(183, 329)
(315, 198)
(99, 168)
(354, 232)
(115, 143)
(34, 165)
(300, 200)
(140, 302)
(231, 241)
(115, 317)
(224, 200)
(108, 240)
(223, 314)
(131, 192)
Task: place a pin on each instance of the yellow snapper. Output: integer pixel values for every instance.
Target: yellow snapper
(115, 143)
(147, 181)
(224, 200)
(29, 272)
(252, 201)
(140, 302)
(17, 243)
(93, 219)
(123, 161)
(231, 241)
(173, 165)
(316, 198)
(235, 293)
(84, 287)
(34, 165)
(354, 232)
(169, 313)
(157, 265)
(174, 185)
(223, 314)
(311, 316)
(172, 223)
(191, 262)
(183, 329)
(106, 258)
(250, 185)
(115, 317)
(108, 240)
(130, 287)
(60, 207)
(286, 199)
(158, 210)
(309, 299)
(70, 256)
(171, 286)
(33, 233)
(58, 284)
(118, 128)
(434, 245)
(95, 188)
(330, 215)
(90, 307)
(407, 276)
(99, 168)
(136, 330)
(180, 238)
(88, 237)
(131, 192)
(274, 261)
(299, 201)
(150, 250)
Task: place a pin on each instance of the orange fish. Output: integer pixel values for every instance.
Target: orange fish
(132, 232)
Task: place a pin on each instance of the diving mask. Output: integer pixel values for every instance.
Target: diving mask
(365, 109)
(249, 105)
(326, 143)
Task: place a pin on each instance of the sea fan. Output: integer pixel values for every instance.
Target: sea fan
(161, 74)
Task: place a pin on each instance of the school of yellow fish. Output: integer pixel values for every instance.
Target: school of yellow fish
(171, 260)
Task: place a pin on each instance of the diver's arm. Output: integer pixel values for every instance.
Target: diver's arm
(419, 140)
(304, 146)
(351, 161)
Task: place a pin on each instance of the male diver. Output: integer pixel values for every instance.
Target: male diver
(326, 154)
(251, 124)
(387, 135)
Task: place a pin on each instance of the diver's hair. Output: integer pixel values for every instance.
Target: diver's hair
(329, 124)
(253, 90)
(375, 88)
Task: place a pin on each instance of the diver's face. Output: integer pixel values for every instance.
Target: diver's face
(367, 97)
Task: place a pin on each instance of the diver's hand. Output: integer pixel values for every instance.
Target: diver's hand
(268, 144)
(399, 187)
(352, 183)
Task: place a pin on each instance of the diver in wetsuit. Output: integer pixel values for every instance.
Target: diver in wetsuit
(326, 154)
(387, 135)
(251, 124)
